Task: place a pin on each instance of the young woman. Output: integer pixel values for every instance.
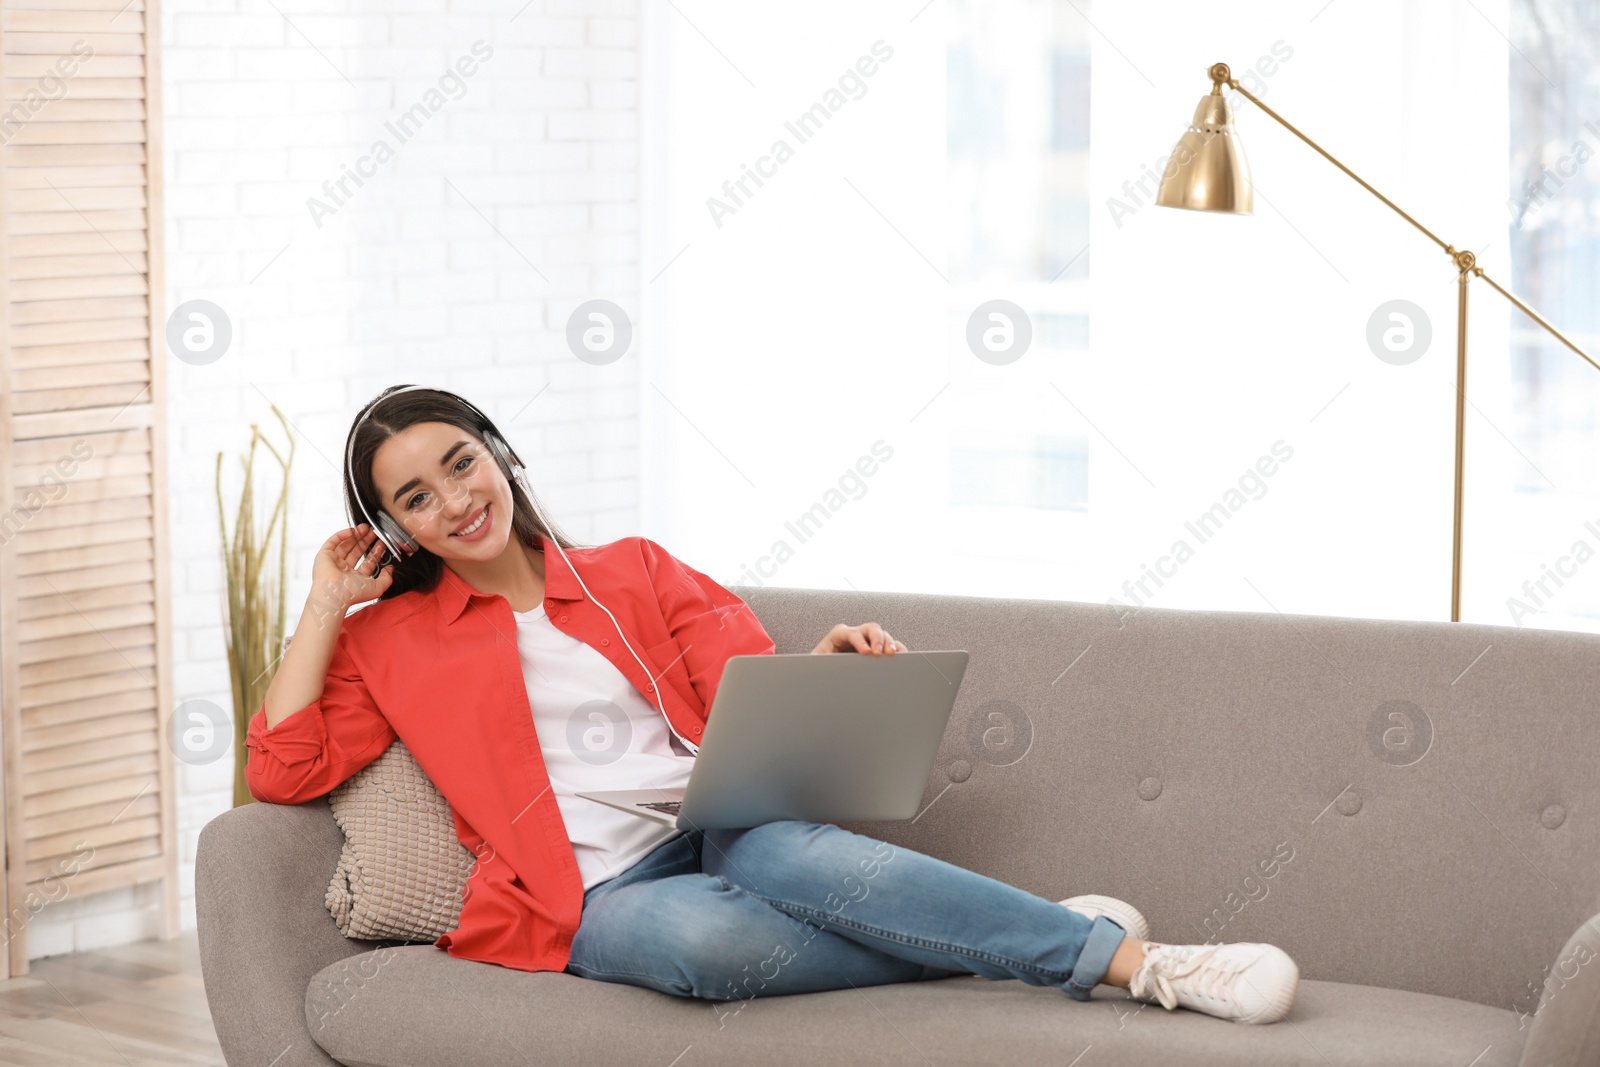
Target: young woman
(518, 676)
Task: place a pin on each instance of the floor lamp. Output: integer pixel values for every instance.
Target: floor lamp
(1207, 171)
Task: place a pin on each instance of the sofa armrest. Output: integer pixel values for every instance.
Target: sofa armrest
(1566, 1025)
(261, 881)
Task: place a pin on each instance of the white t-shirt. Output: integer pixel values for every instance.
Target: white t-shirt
(597, 732)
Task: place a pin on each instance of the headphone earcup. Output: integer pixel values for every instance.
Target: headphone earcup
(395, 533)
(501, 453)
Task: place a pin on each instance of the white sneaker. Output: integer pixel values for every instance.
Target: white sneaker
(1244, 982)
(1120, 912)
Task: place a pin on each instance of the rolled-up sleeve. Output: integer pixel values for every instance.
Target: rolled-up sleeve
(316, 748)
(708, 622)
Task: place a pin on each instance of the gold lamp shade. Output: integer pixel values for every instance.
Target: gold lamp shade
(1207, 170)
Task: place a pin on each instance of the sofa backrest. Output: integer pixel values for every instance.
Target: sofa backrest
(1405, 804)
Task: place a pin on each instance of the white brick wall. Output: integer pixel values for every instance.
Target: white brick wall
(404, 282)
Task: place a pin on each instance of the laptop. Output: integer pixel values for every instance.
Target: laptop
(819, 738)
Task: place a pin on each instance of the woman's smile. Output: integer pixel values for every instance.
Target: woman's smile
(478, 529)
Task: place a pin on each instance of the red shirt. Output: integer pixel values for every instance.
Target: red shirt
(440, 670)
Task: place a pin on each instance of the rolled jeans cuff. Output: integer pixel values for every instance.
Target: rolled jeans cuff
(1095, 959)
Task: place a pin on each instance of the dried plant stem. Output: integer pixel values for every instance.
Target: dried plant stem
(253, 612)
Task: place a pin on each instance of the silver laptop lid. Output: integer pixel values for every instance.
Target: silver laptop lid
(823, 738)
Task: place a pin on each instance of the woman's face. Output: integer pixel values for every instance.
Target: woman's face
(437, 480)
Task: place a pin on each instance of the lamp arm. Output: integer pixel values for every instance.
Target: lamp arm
(1256, 100)
(1534, 315)
(1463, 259)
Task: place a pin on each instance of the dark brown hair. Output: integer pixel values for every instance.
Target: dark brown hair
(422, 569)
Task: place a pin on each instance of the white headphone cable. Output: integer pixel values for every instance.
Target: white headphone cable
(693, 748)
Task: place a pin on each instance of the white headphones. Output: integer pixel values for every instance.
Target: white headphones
(392, 534)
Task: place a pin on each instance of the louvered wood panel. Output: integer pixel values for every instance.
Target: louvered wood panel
(111, 596)
(76, 5)
(32, 312)
(74, 714)
(87, 666)
(117, 858)
(43, 176)
(89, 731)
(81, 285)
(34, 541)
(63, 834)
(73, 399)
(76, 355)
(54, 649)
(38, 246)
(85, 629)
(97, 748)
(77, 690)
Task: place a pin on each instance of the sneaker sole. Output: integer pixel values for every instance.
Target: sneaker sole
(1280, 1009)
(1120, 912)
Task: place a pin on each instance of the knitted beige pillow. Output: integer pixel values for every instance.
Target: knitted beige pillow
(402, 870)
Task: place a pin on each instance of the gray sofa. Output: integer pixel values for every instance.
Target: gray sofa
(1410, 809)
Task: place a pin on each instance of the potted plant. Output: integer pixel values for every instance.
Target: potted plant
(253, 616)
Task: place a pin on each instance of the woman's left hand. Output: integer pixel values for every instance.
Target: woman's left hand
(868, 638)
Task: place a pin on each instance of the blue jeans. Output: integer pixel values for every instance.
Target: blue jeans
(796, 907)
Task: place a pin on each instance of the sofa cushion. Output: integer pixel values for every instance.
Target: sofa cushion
(400, 1006)
(403, 868)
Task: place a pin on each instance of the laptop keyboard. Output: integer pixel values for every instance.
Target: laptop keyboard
(668, 806)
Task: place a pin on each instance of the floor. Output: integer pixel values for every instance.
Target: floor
(139, 1005)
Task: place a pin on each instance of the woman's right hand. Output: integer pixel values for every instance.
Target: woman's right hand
(343, 571)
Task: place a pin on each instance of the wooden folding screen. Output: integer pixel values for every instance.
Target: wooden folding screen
(85, 630)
